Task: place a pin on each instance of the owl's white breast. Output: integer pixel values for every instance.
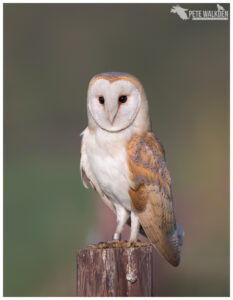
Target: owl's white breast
(107, 157)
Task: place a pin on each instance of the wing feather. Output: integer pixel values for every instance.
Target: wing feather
(151, 195)
(88, 178)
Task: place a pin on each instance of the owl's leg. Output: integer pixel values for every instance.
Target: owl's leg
(134, 227)
(122, 217)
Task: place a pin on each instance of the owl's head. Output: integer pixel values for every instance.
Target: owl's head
(117, 101)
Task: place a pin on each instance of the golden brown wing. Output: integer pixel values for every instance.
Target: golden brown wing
(151, 195)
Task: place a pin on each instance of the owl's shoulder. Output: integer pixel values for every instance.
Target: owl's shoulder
(145, 142)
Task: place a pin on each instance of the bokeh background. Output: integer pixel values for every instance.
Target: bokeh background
(51, 51)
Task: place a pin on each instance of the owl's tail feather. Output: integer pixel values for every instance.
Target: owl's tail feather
(172, 246)
(169, 246)
(180, 234)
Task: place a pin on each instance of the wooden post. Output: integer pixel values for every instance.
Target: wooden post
(114, 272)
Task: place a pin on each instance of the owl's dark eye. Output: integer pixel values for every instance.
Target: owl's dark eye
(122, 99)
(101, 100)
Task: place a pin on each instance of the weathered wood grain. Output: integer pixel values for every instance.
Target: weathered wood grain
(114, 272)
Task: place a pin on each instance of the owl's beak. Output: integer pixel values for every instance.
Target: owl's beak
(111, 109)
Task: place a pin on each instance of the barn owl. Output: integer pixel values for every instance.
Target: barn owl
(124, 162)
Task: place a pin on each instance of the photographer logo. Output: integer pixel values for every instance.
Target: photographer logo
(219, 14)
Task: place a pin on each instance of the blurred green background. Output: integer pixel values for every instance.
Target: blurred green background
(51, 51)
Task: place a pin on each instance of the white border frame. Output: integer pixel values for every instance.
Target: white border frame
(1, 121)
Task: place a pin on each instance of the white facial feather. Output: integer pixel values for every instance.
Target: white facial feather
(114, 116)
